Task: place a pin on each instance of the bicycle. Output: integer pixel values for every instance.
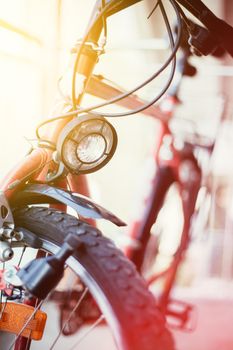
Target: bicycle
(144, 249)
(175, 188)
(48, 175)
(175, 166)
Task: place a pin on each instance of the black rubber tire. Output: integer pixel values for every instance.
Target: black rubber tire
(134, 318)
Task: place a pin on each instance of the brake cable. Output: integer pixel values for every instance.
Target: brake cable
(117, 98)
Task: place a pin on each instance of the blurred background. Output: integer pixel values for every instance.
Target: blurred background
(35, 41)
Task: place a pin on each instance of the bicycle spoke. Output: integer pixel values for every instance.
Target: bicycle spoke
(1, 297)
(22, 254)
(70, 316)
(3, 308)
(95, 324)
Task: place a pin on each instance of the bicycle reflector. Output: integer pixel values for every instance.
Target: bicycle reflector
(87, 143)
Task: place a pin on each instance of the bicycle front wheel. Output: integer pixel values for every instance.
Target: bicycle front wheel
(118, 292)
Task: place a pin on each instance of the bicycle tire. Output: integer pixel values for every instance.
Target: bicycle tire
(187, 191)
(121, 294)
(163, 181)
(158, 254)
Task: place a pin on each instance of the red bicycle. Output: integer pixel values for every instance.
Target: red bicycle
(82, 141)
(179, 175)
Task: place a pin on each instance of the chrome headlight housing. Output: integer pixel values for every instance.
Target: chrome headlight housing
(86, 144)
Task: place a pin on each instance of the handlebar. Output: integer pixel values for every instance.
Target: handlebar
(202, 40)
(87, 56)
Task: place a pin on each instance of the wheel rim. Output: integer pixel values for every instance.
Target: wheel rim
(94, 289)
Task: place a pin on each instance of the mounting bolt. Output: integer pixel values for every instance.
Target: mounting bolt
(6, 252)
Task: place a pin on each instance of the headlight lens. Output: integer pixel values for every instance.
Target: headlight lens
(91, 148)
(87, 143)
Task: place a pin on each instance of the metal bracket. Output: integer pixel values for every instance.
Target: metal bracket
(54, 175)
(6, 217)
(88, 45)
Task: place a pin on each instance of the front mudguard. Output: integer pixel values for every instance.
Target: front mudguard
(45, 194)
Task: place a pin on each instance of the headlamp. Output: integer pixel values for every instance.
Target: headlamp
(87, 143)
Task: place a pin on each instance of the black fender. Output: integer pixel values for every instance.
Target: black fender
(45, 194)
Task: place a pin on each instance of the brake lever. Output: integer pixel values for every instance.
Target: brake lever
(216, 29)
(201, 41)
